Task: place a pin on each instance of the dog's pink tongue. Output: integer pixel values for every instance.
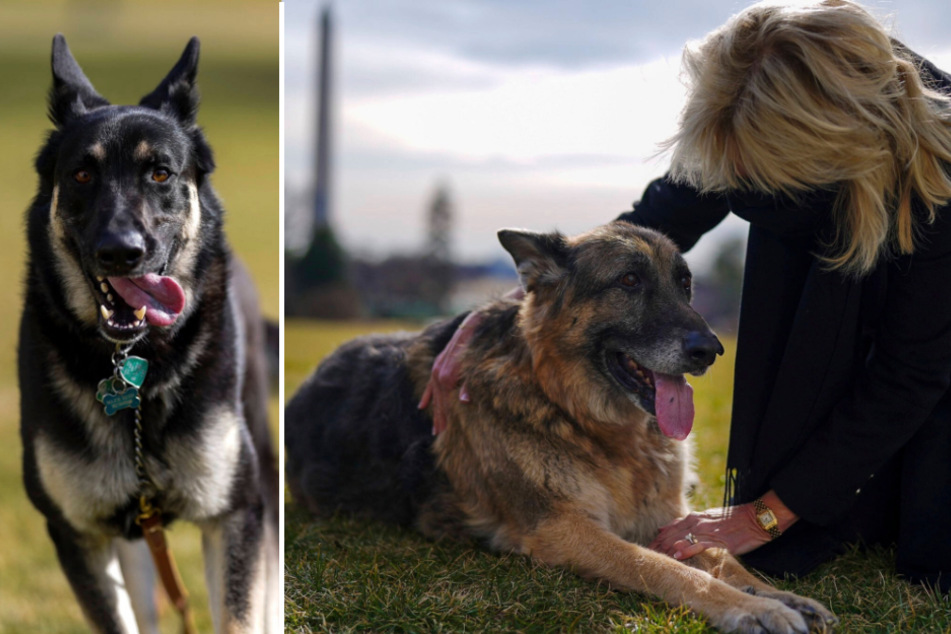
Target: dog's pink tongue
(673, 403)
(162, 295)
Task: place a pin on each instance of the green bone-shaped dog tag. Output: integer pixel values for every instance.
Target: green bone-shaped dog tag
(127, 399)
(133, 371)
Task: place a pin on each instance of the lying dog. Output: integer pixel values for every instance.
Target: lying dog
(568, 450)
(142, 372)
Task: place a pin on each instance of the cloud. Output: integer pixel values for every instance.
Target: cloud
(559, 33)
(528, 114)
(541, 113)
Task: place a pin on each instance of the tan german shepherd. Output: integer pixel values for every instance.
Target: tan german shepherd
(570, 447)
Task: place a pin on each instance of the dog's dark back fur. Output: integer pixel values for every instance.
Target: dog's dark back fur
(381, 465)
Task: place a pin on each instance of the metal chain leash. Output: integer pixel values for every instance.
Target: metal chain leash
(120, 384)
(116, 393)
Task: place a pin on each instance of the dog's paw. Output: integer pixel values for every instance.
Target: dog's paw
(817, 616)
(762, 616)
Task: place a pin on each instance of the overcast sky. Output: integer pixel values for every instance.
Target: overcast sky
(537, 113)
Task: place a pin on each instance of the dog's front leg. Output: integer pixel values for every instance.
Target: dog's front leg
(579, 542)
(92, 567)
(138, 570)
(235, 570)
(724, 566)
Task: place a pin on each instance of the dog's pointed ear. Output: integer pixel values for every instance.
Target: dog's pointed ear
(72, 94)
(177, 95)
(541, 258)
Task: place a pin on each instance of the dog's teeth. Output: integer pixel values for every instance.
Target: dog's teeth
(106, 313)
(100, 278)
(104, 287)
(109, 296)
(140, 314)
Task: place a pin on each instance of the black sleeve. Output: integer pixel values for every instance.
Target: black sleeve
(932, 76)
(679, 211)
(905, 377)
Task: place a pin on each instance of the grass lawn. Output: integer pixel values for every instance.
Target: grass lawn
(126, 48)
(347, 576)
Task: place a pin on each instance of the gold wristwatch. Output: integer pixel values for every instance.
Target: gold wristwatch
(766, 518)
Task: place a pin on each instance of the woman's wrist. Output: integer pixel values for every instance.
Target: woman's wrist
(516, 293)
(785, 517)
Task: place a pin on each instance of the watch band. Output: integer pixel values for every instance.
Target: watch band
(766, 518)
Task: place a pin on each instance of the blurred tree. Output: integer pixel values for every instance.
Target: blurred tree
(323, 263)
(438, 256)
(317, 284)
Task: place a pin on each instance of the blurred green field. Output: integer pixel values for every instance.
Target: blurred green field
(126, 48)
(346, 575)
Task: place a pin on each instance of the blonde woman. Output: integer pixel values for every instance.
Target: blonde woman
(834, 142)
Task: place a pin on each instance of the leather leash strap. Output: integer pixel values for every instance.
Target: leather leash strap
(119, 392)
(154, 534)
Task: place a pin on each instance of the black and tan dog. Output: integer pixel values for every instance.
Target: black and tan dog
(569, 449)
(127, 257)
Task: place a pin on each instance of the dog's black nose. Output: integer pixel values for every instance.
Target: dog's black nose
(120, 252)
(702, 347)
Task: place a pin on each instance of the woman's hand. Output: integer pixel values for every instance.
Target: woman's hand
(734, 528)
(445, 374)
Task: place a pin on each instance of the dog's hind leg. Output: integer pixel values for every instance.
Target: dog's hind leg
(135, 560)
(92, 567)
(254, 397)
(235, 570)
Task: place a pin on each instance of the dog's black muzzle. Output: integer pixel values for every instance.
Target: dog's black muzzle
(118, 253)
(701, 348)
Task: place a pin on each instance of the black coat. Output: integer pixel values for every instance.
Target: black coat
(841, 394)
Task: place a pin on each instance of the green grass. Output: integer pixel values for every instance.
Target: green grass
(126, 48)
(345, 575)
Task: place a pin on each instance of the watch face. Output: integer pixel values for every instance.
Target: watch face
(766, 519)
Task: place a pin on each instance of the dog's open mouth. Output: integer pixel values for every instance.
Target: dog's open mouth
(129, 305)
(669, 397)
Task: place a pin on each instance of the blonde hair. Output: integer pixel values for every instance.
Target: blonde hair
(783, 99)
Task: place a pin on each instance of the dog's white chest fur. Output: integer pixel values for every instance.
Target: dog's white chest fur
(195, 475)
(642, 501)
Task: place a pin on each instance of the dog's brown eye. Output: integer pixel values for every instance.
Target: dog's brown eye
(160, 175)
(687, 282)
(630, 280)
(82, 176)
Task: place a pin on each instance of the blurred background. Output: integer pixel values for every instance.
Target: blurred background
(126, 48)
(444, 122)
